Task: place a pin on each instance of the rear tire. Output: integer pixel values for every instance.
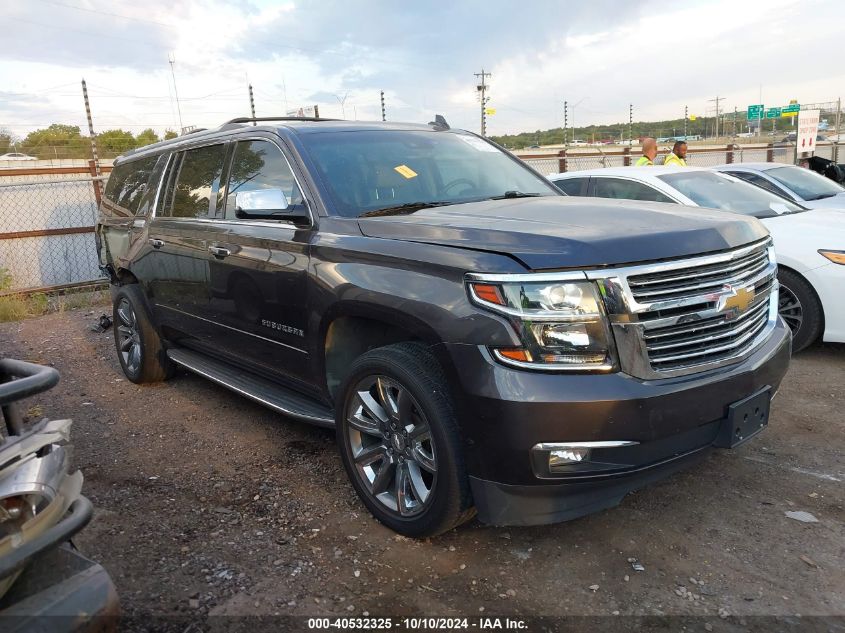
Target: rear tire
(400, 442)
(800, 308)
(139, 348)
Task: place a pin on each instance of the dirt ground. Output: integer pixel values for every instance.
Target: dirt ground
(209, 504)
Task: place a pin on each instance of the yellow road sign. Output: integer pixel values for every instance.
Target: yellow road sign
(490, 111)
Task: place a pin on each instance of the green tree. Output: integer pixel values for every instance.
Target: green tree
(113, 142)
(146, 137)
(56, 141)
(169, 134)
(7, 141)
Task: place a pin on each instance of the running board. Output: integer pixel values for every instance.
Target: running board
(255, 388)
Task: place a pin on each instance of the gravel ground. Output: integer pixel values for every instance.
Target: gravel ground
(209, 504)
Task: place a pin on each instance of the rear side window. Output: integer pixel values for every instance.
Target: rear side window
(622, 189)
(761, 182)
(127, 185)
(572, 186)
(195, 182)
(259, 165)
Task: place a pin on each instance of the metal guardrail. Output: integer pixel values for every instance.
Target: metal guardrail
(578, 159)
(48, 214)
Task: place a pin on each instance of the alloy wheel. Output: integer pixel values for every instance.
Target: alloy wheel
(391, 445)
(128, 339)
(789, 307)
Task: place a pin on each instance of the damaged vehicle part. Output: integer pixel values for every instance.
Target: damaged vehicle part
(41, 508)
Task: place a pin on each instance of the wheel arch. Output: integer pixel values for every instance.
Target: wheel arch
(351, 330)
(802, 277)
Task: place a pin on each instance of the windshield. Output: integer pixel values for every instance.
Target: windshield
(807, 184)
(371, 170)
(714, 191)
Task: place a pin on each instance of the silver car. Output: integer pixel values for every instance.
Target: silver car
(797, 184)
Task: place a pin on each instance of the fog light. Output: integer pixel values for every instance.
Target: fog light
(567, 456)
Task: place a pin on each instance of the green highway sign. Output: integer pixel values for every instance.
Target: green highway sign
(755, 111)
(773, 113)
(791, 110)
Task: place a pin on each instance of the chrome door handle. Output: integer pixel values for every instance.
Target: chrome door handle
(219, 251)
(156, 243)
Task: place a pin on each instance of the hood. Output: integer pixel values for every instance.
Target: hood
(806, 232)
(561, 232)
(836, 202)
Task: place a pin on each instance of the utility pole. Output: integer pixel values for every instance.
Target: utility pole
(575, 105)
(172, 61)
(383, 116)
(630, 123)
(99, 184)
(482, 89)
(251, 103)
(734, 123)
(565, 122)
(686, 119)
(717, 99)
(342, 103)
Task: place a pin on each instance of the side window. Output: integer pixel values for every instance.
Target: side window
(761, 182)
(572, 186)
(148, 198)
(196, 182)
(165, 200)
(621, 189)
(259, 165)
(127, 184)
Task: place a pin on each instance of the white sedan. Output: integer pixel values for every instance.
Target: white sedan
(810, 244)
(16, 156)
(798, 184)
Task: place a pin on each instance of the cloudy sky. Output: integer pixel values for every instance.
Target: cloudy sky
(599, 54)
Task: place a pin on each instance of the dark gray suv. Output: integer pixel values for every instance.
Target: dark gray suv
(479, 341)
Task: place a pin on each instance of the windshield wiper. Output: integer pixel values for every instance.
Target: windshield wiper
(822, 196)
(404, 209)
(515, 194)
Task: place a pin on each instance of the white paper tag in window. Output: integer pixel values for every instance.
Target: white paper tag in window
(477, 143)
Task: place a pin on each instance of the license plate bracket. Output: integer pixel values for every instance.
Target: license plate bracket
(745, 419)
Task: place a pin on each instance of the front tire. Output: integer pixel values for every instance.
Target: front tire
(400, 443)
(800, 308)
(139, 348)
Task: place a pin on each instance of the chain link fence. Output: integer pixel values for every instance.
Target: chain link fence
(47, 215)
(579, 161)
(47, 230)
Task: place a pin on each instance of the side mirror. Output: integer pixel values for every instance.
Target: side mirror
(260, 203)
(269, 204)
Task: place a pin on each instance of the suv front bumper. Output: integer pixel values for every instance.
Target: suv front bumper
(506, 412)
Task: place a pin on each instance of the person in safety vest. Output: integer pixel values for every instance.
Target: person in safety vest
(649, 152)
(678, 155)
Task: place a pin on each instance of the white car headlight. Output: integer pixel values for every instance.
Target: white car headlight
(561, 323)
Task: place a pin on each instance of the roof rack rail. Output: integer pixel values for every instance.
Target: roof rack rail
(247, 119)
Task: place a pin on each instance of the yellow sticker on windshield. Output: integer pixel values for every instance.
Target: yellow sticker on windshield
(405, 171)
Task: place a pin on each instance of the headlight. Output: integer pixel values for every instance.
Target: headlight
(560, 322)
(837, 257)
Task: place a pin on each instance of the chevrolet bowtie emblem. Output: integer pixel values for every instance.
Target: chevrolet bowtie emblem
(739, 299)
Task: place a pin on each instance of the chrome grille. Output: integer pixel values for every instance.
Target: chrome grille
(697, 280)
(705, 340)
(677, 318)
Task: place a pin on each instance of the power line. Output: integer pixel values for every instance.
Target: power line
(65, 28)
(114, 15)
